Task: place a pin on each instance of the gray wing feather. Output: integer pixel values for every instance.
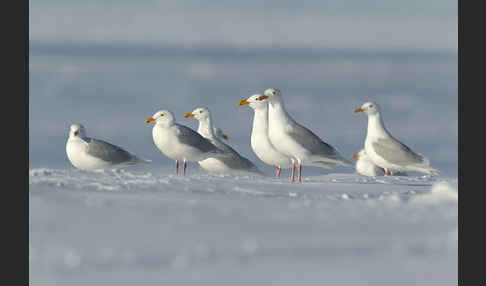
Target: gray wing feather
(190, 137)
(224, 147)
(231, 158)
(108, 152)
(396, 152)
(239, 163)
(235, 161)
(312, 142)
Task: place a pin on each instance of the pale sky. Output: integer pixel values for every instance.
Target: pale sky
(376, 24)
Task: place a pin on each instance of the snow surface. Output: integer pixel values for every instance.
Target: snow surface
(129, 227)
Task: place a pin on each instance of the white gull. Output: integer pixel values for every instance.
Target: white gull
(386, 151)
(94, 154)
(179, 142)
(366, 167)
(260, 143)
(235, 163)
(295, 140)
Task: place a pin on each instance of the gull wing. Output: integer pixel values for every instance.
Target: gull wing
(190, 137)
(108, 152)
(313, 143)
(396, 152)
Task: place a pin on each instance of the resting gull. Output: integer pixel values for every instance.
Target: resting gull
(366, 167)
(91, 154)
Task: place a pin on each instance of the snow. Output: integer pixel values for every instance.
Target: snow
(127, 226)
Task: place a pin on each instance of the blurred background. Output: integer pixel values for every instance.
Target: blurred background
(111, 64)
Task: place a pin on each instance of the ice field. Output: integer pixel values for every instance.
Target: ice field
(127, 227)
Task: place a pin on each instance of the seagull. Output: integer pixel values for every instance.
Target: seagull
(232, 164)
(366, 167)
(179, 142)
(219, 133)
(295, 140)
(260, 143)
(94, 154)
(386, 151)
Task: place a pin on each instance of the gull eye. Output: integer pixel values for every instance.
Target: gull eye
(371, 105)
(76, 133)
(200, 111)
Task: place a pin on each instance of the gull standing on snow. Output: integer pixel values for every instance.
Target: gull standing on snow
(91, 154)
(296, 141)
(232, 164)
(179, 142)
(386, 151)
(260, 143)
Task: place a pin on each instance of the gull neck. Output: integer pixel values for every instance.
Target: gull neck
(260, 121)
(376, 127)
(205, 128)
(277, 113)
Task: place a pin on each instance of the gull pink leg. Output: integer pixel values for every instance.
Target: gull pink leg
(278, 172)
(300, 173)
(184, 167)
(177, 167)
(293, 173)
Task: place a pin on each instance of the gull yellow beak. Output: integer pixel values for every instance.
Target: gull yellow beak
(243, 102)
(262, 97)
(150, 119)
(358, 109)
(224, 137)
(188, 115)
(355, 156)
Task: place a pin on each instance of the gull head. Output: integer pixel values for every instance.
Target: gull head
(200, 113)
(369, 108)
(161, 116)
(274, 96)
(272, 93)
(77, 130)
(255, 101)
